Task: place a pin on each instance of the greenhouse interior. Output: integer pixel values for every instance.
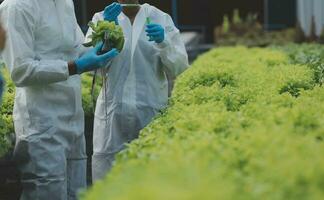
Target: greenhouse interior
(161, 100)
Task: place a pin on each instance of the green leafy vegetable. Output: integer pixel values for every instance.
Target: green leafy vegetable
(115, 32)
(238, 127)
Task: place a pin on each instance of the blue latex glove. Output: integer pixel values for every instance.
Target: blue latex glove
(112, 11)
(92, 61)
(155, 32)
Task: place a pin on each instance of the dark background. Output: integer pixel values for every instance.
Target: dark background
(204, 15)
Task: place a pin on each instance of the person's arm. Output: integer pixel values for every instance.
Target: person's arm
(172, 50)
(80, 41)
(19, 54)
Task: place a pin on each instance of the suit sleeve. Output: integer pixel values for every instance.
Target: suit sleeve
(19, 54)
(172, 50)
(80, 40)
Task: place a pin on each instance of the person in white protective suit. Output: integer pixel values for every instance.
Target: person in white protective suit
(45, 56)
(137, 83)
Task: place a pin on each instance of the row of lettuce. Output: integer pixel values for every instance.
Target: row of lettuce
(241, 124)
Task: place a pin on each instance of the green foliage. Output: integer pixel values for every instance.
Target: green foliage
(88, 99)
(242, 124)
(236, 17)
(115, 32)
(311, 55)
(6, 109)
(249, 32)
(226, 24)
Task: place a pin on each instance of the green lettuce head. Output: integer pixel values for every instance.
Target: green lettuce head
(115, 34)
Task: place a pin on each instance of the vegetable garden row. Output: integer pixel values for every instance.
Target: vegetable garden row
(242, 124)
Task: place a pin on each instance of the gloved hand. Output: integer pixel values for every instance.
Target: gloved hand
(112, 11)
(155, 32)
(92, 61)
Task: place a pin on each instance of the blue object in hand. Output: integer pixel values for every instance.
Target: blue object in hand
(92, 61)
(155, 32)
(112, 11)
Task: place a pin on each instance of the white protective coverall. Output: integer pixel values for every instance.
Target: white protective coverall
(43, 35)
(309, 10)
(137, 85)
